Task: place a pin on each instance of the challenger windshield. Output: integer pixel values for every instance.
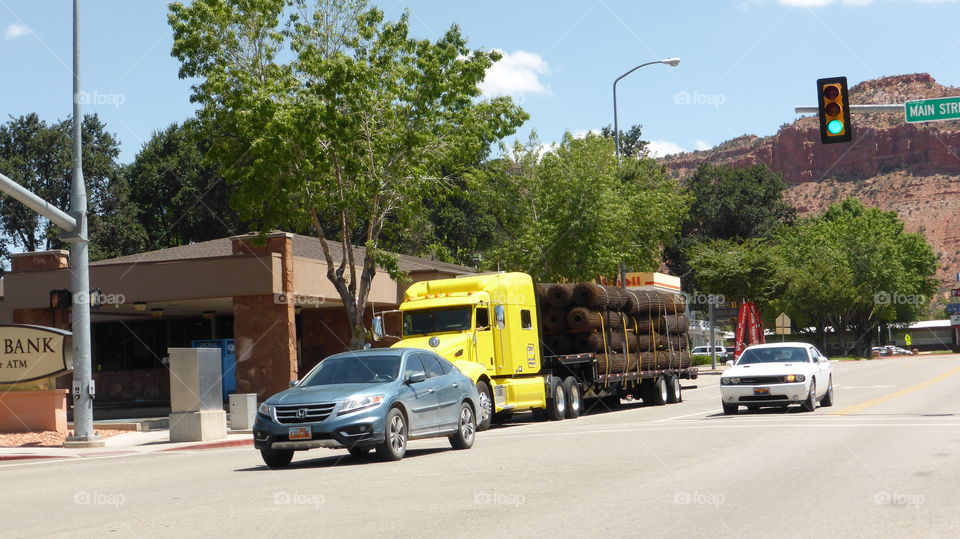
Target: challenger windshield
(773, 355)
(423, 321)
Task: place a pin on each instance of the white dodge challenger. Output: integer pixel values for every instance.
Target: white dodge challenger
(778, 374)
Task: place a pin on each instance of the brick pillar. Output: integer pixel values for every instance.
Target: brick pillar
(60, 318)
(265, 328)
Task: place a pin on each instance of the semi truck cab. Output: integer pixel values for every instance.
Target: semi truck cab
(486, 325)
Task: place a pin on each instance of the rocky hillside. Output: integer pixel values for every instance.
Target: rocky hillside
(913, 169)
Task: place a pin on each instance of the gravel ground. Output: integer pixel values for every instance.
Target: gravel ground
(46, 438)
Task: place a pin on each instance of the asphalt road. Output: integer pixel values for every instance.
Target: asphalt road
(883, 461)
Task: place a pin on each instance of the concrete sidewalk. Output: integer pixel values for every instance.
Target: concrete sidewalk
(133, 442)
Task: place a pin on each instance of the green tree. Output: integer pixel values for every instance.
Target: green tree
(38, 156)
(329, 114)
(181, 198)
(582, 213)
(881, 273)
(631, 141)
(739, 270)
(729, 203)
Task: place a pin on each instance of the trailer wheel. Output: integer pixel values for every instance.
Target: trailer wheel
(674, 394)
(657, 391)
(574, 399)
(556, 400)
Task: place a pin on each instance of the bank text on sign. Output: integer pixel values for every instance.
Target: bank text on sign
(932, 110)
(33, 352)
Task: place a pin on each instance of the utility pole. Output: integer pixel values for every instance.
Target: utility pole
(713, 336)
(83, 387)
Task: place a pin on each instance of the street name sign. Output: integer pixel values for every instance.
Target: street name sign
(33, 352)
(932, 110)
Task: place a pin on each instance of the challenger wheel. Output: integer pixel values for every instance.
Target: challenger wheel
(730, 409)
(828, 398)
(810, 403)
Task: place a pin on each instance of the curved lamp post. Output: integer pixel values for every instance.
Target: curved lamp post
(616, 128)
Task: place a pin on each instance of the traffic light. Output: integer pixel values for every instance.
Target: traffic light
(834, 103)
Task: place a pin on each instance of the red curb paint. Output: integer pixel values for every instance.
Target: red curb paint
(214, 445)
(26, 457)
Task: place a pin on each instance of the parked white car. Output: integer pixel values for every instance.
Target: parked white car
(778, 374)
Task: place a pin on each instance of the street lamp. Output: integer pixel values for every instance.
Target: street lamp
(616, 129)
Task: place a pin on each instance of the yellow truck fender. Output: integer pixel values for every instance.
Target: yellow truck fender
(471, 370)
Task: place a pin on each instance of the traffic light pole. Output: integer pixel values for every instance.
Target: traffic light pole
(860, 109)
(83, 388)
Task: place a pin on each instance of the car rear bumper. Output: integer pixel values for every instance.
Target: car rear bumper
(776, 394)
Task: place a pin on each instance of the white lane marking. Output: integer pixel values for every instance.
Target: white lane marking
(683, 416)
(723, 426)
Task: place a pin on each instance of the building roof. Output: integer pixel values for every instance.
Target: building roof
(303, 246)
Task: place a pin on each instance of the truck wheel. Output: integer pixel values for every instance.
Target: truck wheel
(486, 405)
(674, 394)
(574, 400)
(657, 391)
(556, 400)
(502, 417)
(276, 459)
(394, 444)
(466, 428)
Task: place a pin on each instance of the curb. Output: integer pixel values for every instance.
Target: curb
(214, 445)
(28, 457)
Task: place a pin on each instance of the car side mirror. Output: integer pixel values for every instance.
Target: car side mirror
(293, 383)
(729, 363)
(824, 358)
(500, 316)
(416, 378)
(376, 327)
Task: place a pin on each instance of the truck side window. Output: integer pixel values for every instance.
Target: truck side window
(525, 321)
(483, 318)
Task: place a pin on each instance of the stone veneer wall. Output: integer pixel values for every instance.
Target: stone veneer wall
(265, 330)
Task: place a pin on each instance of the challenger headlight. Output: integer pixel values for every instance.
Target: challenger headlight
(794, 378)
(266, 409)
(361, 403)
(733, 380)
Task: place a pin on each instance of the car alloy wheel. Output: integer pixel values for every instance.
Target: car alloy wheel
(394, 444)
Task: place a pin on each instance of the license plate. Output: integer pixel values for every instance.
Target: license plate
(300, 433)
(761, 391)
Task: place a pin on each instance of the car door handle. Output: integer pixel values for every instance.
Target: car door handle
(456, 385)
(430, 390)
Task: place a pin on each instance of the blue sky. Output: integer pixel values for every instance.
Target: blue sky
(744, 63)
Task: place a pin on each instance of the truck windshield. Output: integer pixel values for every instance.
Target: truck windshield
(425, 321)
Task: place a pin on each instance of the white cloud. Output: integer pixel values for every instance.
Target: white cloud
(660, 148)
(821, 3)
(700, 145)
(516, 74)
(584, 132)
(16, 30)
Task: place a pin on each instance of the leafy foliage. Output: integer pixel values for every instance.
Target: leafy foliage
(355, 125)
(181, 198)
(582, 214)
(38, 156)
(729, 203)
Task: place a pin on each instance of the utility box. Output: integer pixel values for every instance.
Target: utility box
(243, 411)
(196, 408)
(228, 362)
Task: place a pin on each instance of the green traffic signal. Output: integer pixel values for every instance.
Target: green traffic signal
(835, 127)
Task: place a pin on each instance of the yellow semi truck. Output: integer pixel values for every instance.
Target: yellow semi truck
(488, 326)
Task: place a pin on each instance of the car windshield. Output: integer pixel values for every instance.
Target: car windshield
(773, 355)
(354, 370)
(423, 321)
